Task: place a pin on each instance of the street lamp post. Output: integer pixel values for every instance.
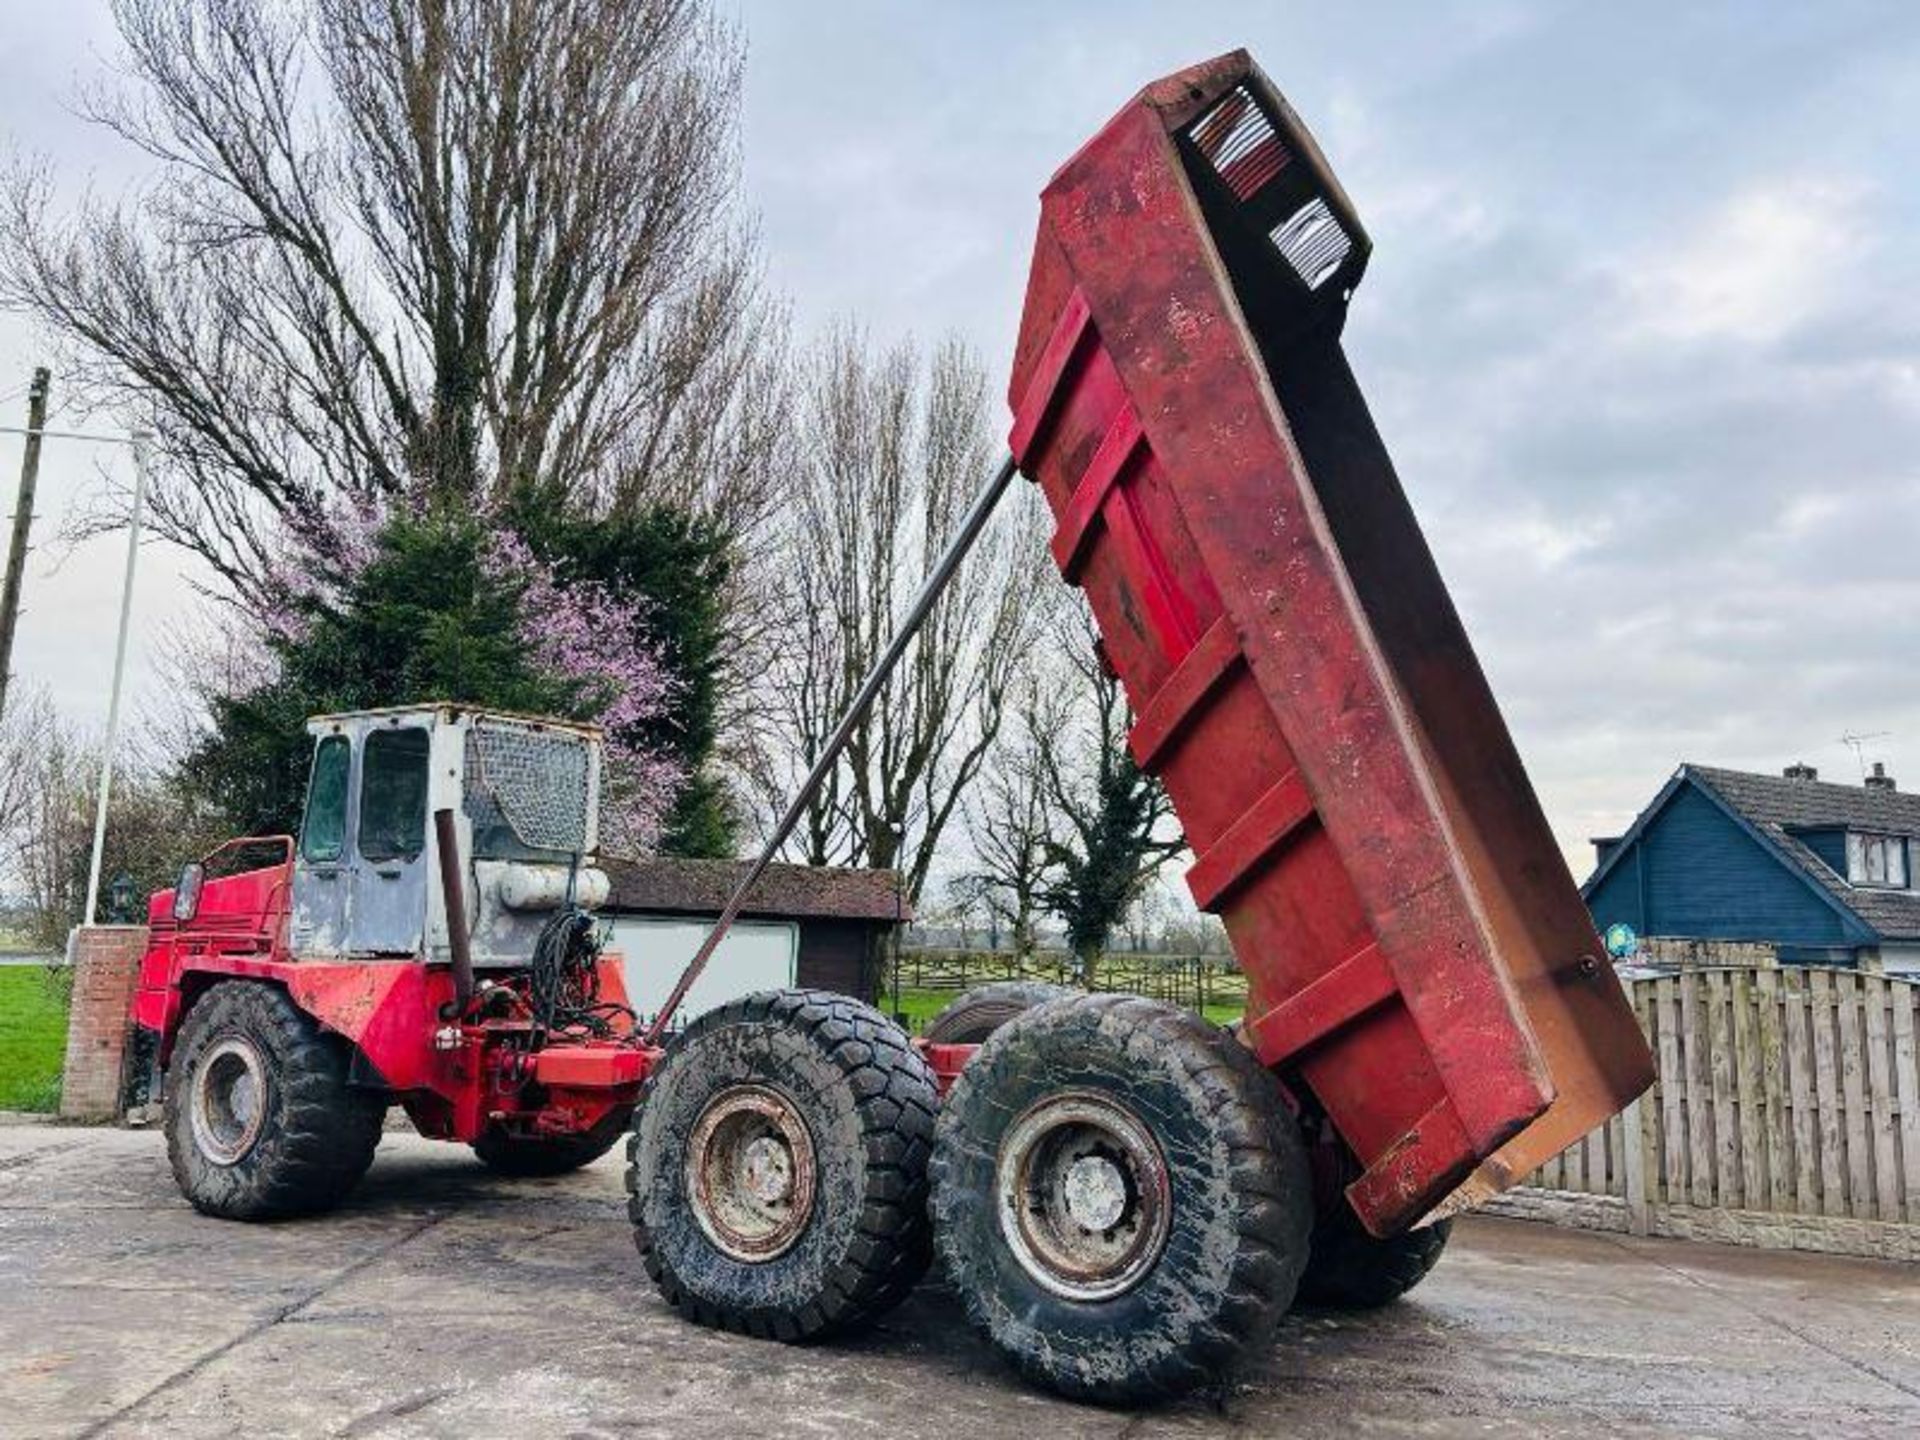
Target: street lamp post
(142, 442)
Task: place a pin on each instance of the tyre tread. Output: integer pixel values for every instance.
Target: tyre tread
(1352, 1270)
(985, 1008)
(896, 1099)
(322, 1138)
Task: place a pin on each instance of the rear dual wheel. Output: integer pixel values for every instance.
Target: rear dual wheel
(1121, 1196)
(777, 1168)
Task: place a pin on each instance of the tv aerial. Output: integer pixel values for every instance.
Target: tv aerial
(1858, 744)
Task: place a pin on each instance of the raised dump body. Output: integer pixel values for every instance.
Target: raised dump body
(1420, 964)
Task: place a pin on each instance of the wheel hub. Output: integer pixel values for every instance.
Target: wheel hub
(1083, 1196)
(766, 1170)
(750, 1173)
(229, 1103)
(1096, 1193)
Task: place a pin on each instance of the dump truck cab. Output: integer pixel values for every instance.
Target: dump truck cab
(524, 792)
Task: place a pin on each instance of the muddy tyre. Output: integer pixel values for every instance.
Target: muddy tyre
(1121, 1197)
(505, 1153)
(1352, 1270)
(777, 1171)
(985, 1008)
(260, 1120)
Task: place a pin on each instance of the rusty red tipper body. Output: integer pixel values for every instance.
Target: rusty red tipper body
(1420, 965)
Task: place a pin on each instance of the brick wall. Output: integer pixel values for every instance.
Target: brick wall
(106, 970)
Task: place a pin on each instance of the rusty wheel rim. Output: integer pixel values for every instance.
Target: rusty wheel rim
(1083, 1196)
(229, 1100)
(750, 1173)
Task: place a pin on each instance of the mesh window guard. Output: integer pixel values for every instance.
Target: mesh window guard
(533, 782)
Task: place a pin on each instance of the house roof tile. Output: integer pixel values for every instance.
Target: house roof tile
(1783, 808)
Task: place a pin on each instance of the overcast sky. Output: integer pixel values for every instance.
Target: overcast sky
(1642, 327)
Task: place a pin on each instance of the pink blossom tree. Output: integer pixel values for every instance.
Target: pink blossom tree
(600, 644)
(580, 649)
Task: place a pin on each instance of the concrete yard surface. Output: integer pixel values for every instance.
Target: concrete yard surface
(444, 1301)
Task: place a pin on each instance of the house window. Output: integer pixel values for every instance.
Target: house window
(1877, 860)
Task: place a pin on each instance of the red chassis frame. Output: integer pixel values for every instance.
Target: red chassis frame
(454, 1080)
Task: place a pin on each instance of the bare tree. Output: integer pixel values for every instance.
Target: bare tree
(1118, 829)
(1194, 932)
(1013, 820)
(48, 774)
(400, 251)
(892, 450)
(27, 729)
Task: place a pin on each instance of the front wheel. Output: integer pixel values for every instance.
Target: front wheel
(777, 1169)
(260, 1120)
(506, 1153)
(1121, 1197)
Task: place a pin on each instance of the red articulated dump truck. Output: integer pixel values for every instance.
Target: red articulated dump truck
(1127, 1198)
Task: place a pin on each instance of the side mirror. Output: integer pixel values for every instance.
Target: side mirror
(186, 893)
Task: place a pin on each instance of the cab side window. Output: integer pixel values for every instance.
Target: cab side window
(323, 830)
(393, 795)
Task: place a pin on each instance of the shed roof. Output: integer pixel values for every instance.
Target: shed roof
(798, 892)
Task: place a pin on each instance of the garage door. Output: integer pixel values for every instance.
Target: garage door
(757, 955)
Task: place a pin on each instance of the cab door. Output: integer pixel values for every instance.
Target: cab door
(387, 891)
(320, 871)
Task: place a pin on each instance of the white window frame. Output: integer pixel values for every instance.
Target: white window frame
(1878, 861)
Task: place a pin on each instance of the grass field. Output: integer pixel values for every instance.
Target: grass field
(920, 1006)
(33, 1039)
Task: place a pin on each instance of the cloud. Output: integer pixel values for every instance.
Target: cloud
(1637, 327)
(1771, 258)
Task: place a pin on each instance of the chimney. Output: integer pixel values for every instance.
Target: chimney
(1800, 770)
(1879, 779)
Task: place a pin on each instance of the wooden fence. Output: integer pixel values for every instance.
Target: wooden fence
(1786, 1113)
(1196, 981)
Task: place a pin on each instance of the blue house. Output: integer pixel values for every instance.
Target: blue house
(1824, 873)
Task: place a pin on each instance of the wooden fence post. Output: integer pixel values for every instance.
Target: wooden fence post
(1634, 1163)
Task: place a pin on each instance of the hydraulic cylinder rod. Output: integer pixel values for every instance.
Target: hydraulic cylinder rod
(937, 581)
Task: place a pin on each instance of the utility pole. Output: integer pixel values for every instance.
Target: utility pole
(22, 523)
